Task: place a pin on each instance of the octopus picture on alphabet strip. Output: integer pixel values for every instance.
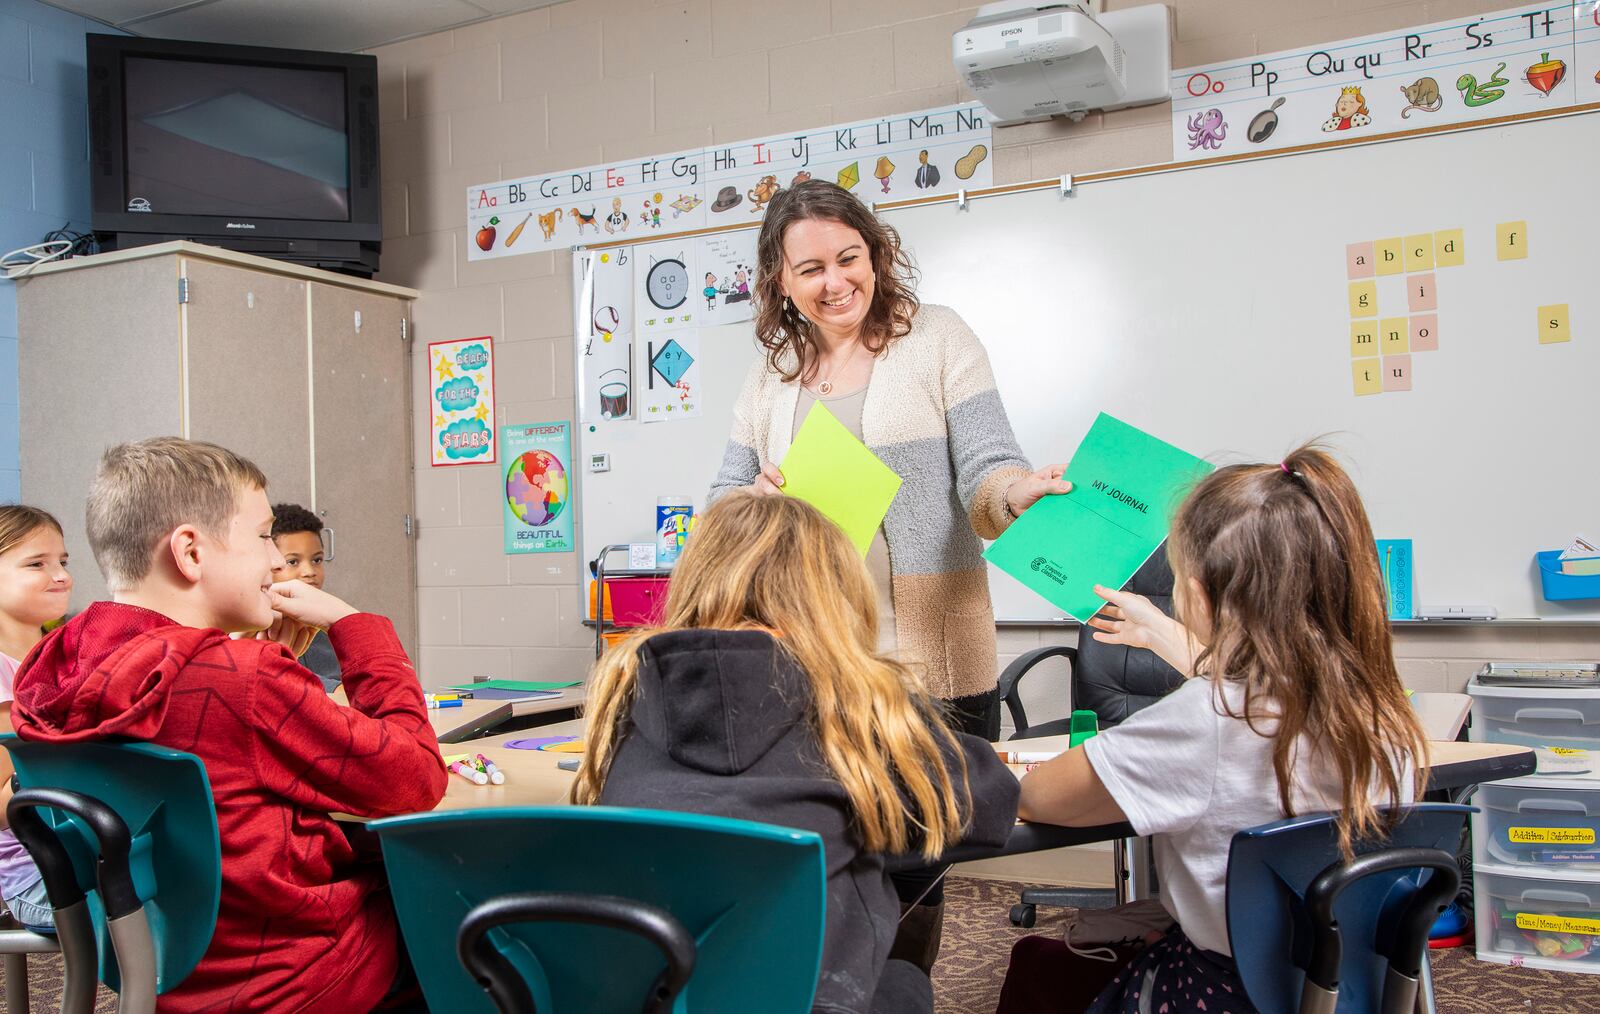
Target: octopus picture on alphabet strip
(1207, 130)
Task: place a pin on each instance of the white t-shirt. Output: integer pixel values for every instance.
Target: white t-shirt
(1186, 773)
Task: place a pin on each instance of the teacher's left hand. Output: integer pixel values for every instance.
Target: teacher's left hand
(1030, 489)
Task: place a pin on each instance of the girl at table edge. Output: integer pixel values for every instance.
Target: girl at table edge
(762, 697)
(839, 319)
(1298, 708)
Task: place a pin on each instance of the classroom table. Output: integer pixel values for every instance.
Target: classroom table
(1454, 765)
(477, 718)
(1442, 715)
(533, 779)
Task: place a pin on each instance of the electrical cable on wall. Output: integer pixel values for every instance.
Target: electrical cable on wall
(56, 245)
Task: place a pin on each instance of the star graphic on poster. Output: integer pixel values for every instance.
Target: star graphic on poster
(443, 369)
(483, 413)
(438, 422)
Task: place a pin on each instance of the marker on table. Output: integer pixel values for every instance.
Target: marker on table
(496, 776)
(1028, 756)
(436, 705)
(441, 697)
(470, 773)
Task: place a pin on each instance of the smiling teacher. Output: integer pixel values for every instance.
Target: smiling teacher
(841, 325)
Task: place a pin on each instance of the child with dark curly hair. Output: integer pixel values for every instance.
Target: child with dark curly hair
(297, 532)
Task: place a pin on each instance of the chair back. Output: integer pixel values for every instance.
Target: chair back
(1300, 918)
(174, 856)
(1113, 680)
(751, 896)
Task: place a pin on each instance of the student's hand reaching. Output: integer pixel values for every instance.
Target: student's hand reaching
(298, 601)
(1133, 620)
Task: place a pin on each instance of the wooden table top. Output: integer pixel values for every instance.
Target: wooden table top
(533, 779)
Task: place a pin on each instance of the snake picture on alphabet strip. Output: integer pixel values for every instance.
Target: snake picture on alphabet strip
(1474, 94)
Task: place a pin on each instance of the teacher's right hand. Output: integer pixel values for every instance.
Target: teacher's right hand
(769, 482)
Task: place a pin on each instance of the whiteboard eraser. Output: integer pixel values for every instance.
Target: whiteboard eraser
(1457, 613)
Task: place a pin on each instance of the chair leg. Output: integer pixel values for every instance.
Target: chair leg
(16, 966)
(1119, 869)
(1425, 984)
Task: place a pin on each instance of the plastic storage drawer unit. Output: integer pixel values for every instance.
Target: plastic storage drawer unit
(1535, 716)
(1538, 921)
(1538, 822)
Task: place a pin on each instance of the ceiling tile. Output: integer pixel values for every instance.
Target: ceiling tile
(333, 25)
(115, 12)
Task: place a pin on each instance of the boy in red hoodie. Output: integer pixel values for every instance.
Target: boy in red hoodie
(183, 533)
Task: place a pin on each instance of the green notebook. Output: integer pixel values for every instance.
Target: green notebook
(1125, 486)
(522, 686)
(831, 470)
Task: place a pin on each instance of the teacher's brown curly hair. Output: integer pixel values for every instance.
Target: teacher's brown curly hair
(788, 336)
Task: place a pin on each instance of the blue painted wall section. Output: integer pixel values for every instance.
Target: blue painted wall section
(44, 165)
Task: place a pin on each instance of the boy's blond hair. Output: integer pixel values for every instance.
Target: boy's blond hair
(146, 488)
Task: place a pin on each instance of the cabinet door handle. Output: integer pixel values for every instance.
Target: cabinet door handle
(327, 545)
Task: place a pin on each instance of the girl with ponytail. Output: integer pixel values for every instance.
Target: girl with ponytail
(1294, 707)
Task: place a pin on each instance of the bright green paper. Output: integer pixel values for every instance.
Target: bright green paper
(519, 685)
(831, 470)
(1125, 486)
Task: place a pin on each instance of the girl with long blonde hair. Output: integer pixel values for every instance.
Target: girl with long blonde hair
(1295, 707)
(761, 696)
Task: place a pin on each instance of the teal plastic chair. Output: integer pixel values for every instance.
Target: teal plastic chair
(595, 909)
(163, 799)
(1313, 934)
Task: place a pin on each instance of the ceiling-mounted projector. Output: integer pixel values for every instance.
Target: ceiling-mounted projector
(1027, 62)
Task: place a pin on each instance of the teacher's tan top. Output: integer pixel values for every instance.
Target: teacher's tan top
(933, 415)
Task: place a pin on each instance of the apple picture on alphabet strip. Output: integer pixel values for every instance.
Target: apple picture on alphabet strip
(485, 235)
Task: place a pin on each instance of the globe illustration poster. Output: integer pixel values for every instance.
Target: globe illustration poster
(538, 488)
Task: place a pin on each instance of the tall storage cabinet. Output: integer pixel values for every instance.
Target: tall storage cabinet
(305, 372)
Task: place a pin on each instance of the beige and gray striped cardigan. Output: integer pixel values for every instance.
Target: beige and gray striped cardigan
(933, 415)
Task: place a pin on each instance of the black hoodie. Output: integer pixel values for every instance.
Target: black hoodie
(720, 726)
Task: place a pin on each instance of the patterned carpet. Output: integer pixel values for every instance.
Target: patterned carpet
(978, 939)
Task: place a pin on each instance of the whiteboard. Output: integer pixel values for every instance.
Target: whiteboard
(1210, 307)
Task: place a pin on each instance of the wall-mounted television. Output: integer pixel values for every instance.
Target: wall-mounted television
(266, 151)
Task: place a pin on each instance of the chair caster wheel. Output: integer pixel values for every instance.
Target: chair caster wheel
(1024, 916)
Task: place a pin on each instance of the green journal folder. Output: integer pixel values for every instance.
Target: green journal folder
(1125, 486)
(520, 685)
(831, 470)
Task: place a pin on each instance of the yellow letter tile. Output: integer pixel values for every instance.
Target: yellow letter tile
(1395, 333)
(1364, 299)
(1511, 240)
(1363, 338)
(1553, 324)
(1419, 252)
(1449, 248)
(1391, 256)
(1368, 375)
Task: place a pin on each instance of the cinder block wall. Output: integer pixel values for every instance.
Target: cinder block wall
(44, 168)
(591, 80)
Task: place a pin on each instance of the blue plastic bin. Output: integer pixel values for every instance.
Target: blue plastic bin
(1559, 587)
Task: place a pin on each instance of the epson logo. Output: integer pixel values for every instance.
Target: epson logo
(1010, 31)
(241, 225)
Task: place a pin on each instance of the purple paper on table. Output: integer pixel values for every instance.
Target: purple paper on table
(537, 744)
